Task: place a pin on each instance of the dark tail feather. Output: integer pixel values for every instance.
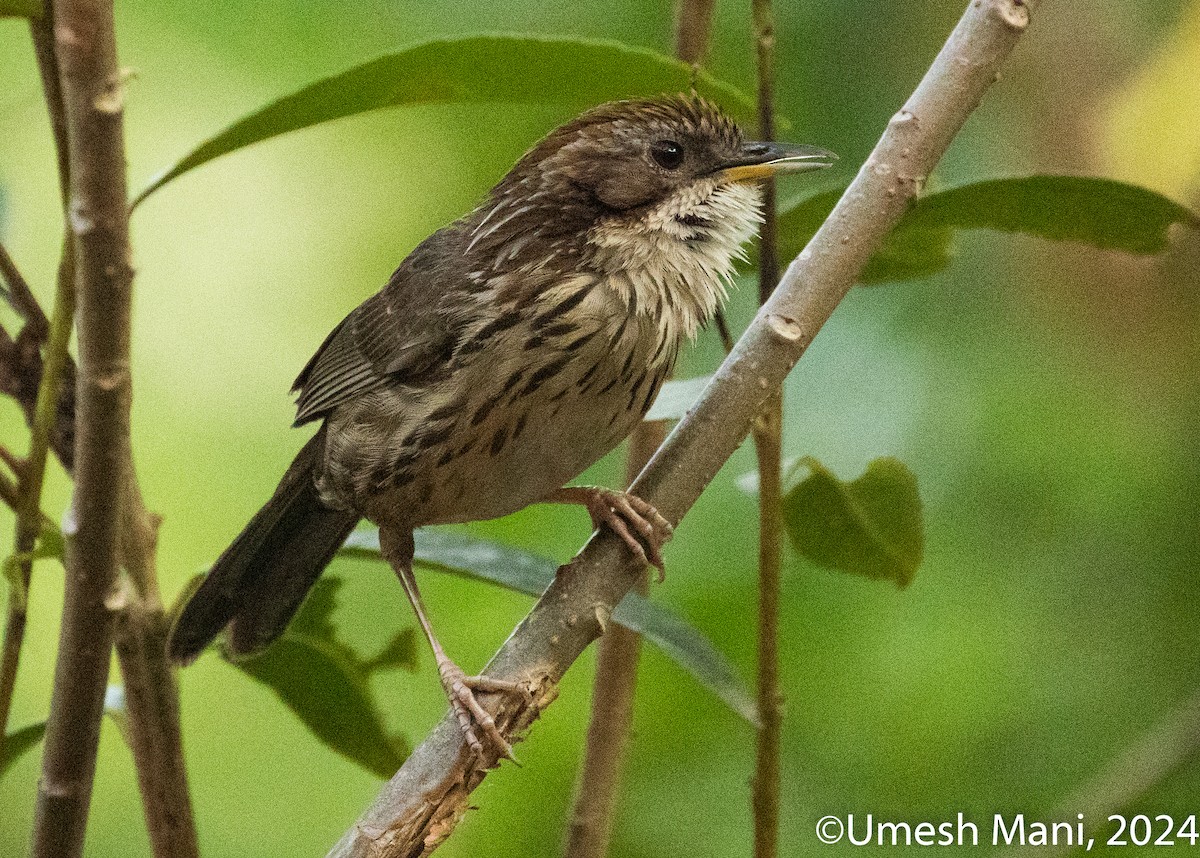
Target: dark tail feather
(258, 583)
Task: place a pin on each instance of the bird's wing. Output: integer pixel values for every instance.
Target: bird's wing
(401, 334)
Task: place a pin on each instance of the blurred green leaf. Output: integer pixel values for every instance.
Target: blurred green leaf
(327, 684)
(480, 559)
(1100, 212)
(20, 9)
(871, 526)
(16, 744)
(576, 73)
(676, 397)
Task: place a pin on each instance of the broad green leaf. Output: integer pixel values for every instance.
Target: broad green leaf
(21, 9)
(16, 744)
(571, 72)
(327, 684)
(676, 397)
(871, 526)
(1100, 212)
(479, 559)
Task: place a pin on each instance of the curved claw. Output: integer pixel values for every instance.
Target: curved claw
(460, 690)
(623, 513)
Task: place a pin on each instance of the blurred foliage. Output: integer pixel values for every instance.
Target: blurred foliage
(1044, 394)
(20, 9)
(328, 685)
(870, 526)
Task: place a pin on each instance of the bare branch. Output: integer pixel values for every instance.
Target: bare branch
(421, 805)
(92, 93)
(768, 448)
(693, 26)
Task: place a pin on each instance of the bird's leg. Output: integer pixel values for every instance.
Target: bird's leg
(397, 547)
(621, 511)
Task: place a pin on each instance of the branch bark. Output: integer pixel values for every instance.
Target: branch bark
(92, 96)
(423, 802)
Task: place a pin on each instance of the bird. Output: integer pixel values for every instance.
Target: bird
(510, 350)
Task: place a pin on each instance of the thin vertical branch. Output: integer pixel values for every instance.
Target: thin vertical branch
(44, 414)
(85, 45)
(768, 442)
(151, 690)
(593, 808)
(693, 27)
(618, 651)
(31, 478)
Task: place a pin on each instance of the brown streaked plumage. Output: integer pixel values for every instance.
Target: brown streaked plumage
(508, 352)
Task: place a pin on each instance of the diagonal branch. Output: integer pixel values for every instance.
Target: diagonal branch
(423, 802)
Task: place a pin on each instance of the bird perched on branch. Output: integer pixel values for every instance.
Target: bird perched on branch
(508, 352)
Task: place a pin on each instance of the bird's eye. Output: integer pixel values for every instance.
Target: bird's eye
(667, 154)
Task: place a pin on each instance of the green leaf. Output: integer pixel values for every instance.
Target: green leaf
(871, 526)
(571, 72)
(479, 559)
(324, 682)
(1100, 212)
(676, 397)
(21, 9)
(16, 744)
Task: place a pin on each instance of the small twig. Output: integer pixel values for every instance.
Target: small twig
(32, 472)
(693, 27)
(422, 803)
(768, 443)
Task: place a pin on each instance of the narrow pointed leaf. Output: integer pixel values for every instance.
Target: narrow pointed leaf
(871, 526)
(327, 685)
(676, 397)
(479, 559)
(572, 72)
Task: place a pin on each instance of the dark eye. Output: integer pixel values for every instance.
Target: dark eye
(667, 154)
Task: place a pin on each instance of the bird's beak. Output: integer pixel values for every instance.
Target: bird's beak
(762, 160)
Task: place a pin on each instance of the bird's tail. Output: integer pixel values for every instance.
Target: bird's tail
(258, 583)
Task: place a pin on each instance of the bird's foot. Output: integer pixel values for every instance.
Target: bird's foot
(624, 513)
(460, 690)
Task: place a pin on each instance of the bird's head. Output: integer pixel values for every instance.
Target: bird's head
(664, 186)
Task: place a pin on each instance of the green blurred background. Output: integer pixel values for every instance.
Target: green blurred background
(1043, 394)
